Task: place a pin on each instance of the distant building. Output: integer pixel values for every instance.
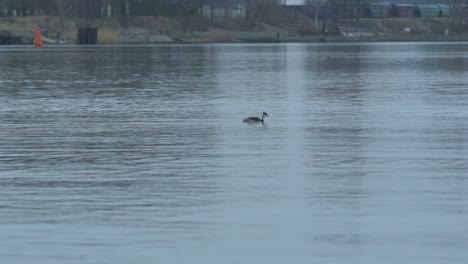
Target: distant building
(445, 9)
(380, 9)
(219, 9)
(428, 10)
(432, 10)
(409, 2)
(402, 10)
(309, 8)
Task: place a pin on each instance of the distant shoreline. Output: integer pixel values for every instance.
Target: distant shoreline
(152, 30)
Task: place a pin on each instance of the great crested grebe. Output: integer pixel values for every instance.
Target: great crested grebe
(254, 119)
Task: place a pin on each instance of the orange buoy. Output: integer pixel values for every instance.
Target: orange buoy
(37, 37)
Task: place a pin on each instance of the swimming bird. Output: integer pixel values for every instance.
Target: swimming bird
(254, 119)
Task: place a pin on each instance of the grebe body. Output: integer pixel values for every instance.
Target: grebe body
(254, 119)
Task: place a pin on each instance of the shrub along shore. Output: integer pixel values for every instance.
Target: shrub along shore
(170, 30)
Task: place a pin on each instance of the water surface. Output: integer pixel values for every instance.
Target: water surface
(137, 154)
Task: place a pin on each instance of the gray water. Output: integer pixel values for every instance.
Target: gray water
(138, 154)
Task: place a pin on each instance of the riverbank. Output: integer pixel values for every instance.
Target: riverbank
(170, 30)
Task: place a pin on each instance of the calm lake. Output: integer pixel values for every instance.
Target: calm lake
(138, 154)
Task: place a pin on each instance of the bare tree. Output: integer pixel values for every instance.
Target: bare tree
(358, 6)
(316, 4)
(457, 11)
(262, 10)
(66, 8)
(124, 13)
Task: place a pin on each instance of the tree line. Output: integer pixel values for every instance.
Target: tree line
(269, 11)
(92, 9)
(102, 8)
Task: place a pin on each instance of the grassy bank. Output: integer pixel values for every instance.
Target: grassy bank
(168, 30)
